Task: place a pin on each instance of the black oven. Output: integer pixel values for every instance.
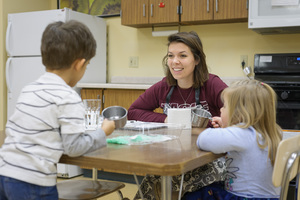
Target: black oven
(282, 73)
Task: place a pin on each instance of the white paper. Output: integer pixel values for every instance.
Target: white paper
(285, 2)
(180, 116)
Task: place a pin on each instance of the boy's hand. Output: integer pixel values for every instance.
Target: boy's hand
(108, 126)
(216, 122)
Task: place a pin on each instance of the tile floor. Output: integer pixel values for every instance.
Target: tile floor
(128, 191)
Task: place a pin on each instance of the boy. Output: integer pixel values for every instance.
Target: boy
(49, 117)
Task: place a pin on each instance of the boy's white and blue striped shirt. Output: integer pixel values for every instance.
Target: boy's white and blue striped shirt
(47, 122)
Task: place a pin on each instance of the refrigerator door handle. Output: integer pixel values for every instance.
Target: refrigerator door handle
(8, 30)
(7, 77)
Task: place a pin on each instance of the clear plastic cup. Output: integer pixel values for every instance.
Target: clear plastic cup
(92, 117)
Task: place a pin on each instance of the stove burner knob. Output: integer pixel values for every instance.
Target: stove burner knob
(284, 95)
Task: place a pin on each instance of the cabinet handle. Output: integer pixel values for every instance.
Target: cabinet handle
(103, 99)
(144, 10)
(207, 6)
(179, 9)
(247, 4)
(151, 10)
(217, 7)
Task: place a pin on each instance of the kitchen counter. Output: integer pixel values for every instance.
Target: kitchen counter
(123, 82)
(138, 83)
(290, 133)
(114, 86)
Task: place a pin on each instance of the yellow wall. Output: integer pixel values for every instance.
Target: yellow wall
(223, 45)
(14, 6)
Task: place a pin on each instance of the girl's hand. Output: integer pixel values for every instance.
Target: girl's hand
(108, 126)
(216, 122)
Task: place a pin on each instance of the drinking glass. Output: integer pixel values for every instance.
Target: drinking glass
(92, 117)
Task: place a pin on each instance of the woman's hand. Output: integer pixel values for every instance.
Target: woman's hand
(108, 126)
(216, 122)
(166, 120)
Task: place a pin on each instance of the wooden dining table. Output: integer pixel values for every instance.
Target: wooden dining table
(167, 159)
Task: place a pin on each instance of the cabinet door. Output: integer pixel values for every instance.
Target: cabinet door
(163, 11)
(89, 93)
(120, 97)
(196, 10)
(134, 12)
(231, 10)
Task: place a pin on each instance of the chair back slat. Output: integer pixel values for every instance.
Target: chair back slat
(286, 165)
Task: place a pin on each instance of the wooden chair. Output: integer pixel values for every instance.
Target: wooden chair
(87, 189)
(286, 165)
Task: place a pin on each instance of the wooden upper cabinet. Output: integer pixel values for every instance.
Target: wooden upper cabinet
(231, 10)
(166, 11)
(134, 12)
(145, 13)
(196, 10)
(213, 11)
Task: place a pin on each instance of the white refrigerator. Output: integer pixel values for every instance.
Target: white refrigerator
(24, 63)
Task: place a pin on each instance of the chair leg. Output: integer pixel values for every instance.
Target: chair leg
(95, 177)
(297, 195)
(181, 185)
(120, 194)
(94, 174)
(138, 184)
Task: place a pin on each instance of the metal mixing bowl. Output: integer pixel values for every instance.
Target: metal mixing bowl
(117, 114)
(200, 118)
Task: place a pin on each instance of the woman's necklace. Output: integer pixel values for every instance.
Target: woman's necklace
(184, 100)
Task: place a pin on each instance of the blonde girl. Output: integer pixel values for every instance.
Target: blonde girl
(250, 136)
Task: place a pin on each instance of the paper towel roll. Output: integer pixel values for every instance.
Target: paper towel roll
(180, 116)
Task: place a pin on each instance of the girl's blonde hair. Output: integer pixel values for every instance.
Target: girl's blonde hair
(253, 103)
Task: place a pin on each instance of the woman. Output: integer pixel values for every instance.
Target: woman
(187, 84)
